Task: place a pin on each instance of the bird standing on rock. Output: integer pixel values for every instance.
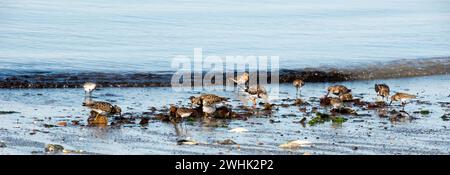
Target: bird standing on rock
(104, 108)
(382, 90)
(298, 84)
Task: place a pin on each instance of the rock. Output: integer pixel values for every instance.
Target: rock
(325, 101)
(98, 120)
(53, 148)
(75, 122)
(49, 126)
(144, 121)
(298, 102)
(344, 110)
(7, 112)
(296, 144)
(186, 142)
(227, 142)
(2, 145)
(274, 121)
(61, 123)
(268, 107)
(238, 130)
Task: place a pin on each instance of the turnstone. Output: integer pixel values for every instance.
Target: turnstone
(298, 84)
(338, 90)
(103, 108)
(207, 102)
(402, 97)
(382, 90)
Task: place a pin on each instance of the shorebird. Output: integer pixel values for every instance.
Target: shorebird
(382, 90)
(182, 112)
(336, 103)
(403, 97)
(103, 108)
(346, 97)
(298, 84)
(207, 102)
(88, 88)
(242, 79)
(338, 90)
(256, 92)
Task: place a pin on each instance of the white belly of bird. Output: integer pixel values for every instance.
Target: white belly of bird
(100, 112)
(337, 105)
(209, 109)
(186, 114)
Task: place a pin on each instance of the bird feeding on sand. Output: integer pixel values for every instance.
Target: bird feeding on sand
(104, 108)
(382, 90)
(207, 102)
(338, 90)
(257, 92)
(402, 97)
(298, 84)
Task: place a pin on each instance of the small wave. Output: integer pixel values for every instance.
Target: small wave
(376, 70)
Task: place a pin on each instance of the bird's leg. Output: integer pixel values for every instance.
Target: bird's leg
(296, 93)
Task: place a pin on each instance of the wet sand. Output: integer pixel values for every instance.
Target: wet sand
(28, 130)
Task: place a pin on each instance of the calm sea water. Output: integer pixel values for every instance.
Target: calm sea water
(138, 35)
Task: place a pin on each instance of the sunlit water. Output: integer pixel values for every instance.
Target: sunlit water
(100, 35)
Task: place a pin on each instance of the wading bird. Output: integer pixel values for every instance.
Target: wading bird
(402, 97)
(298, 84)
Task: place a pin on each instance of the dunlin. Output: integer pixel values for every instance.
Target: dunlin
(298, 84)
(402, 97)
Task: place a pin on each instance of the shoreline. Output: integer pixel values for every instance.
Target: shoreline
(31, 118)
(387, 70)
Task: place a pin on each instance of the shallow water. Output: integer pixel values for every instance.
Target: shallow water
(428, 134)
(86, 35)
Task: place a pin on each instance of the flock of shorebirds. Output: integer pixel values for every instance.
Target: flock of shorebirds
(207, 104)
